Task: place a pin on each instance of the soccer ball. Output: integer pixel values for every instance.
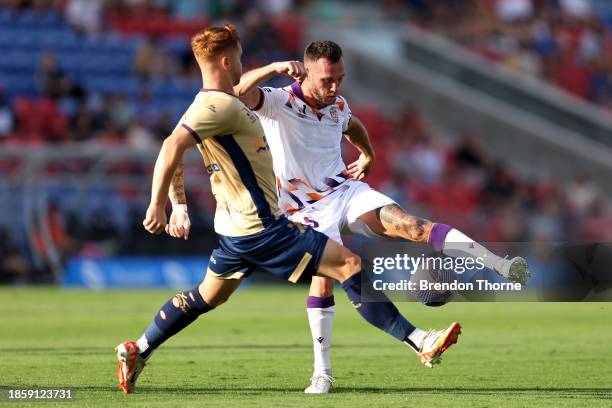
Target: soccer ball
(432, 297)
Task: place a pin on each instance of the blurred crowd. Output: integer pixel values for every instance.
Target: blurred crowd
(111, 72)
(135, 102)
(119, 71)
(565, 42)
(462, 185)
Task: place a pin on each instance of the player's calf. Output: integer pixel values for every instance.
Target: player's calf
(320, 308)
(394, 222)
(174, 315)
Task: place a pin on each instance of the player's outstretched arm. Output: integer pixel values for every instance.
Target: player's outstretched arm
(247, 89)
(170, 155)
(357, 135)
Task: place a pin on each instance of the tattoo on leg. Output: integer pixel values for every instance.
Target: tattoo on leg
(398, 223)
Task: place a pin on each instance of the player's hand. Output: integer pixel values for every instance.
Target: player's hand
(294, 69)
(361, 167)
(179, 225)
(155, 220)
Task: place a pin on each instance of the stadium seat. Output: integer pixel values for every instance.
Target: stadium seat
(18, 84)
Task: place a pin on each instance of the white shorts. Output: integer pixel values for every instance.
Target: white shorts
(340, 210)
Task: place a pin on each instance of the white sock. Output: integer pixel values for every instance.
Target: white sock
(321, 321)
(143, 345)
(457, 244)
(416, 337)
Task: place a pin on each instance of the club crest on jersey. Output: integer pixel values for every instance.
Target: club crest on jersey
(333, 112)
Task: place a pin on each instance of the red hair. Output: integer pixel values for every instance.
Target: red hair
(211, 41)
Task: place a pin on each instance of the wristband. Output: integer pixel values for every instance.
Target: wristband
(179, 208)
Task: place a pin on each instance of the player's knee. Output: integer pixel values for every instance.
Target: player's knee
(328, 287)
(219, 301)
(352, 265)
(215, 301)
(321, 287)
(212, 300)
(202, 290)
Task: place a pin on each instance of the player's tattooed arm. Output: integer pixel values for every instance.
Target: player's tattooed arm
(179, 224)
(176, 192)
(247, 90)
(168, 159)
(399, 224)
(357, 135)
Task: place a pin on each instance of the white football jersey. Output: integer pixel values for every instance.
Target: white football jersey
(305, 143)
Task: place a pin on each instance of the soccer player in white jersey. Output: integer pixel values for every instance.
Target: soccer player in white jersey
(304, 124)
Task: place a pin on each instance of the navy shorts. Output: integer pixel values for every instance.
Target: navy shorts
(285, 248)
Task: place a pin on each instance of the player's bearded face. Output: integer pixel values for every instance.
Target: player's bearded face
(324, 80)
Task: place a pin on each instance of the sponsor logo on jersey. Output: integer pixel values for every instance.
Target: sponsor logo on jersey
(250, 115)
(213, 167)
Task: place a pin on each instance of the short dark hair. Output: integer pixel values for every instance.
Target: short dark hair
(323, 49)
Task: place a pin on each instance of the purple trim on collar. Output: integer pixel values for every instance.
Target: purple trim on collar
(297, 90)
(296, 87)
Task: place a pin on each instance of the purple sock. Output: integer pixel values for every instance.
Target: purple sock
(438, 235)
(315, 302)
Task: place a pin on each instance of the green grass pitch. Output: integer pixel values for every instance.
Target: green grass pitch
(256, 351)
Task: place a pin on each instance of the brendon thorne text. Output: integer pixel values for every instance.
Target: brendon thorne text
(424, 284)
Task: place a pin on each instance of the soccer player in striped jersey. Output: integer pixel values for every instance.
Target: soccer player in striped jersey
(252, 231)
(304, 125)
